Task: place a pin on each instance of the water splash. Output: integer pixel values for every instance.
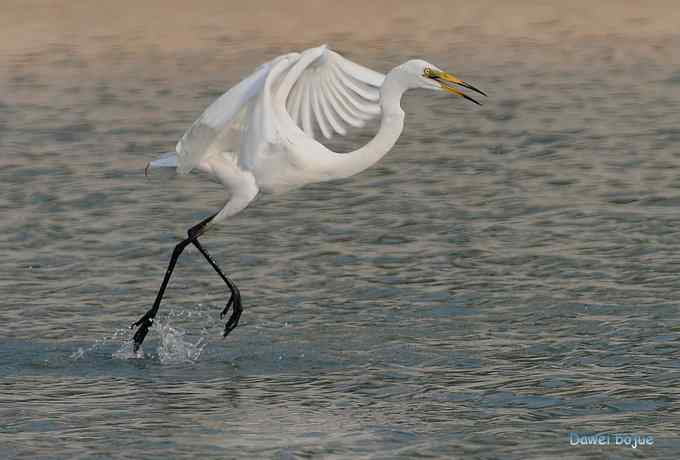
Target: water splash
(175, 348)
(126, 351)
(121, 335)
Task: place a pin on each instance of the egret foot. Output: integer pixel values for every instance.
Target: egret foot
(230, 303)
(235, 302)
(144, 323)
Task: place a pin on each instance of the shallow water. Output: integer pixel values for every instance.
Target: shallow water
(507, 275)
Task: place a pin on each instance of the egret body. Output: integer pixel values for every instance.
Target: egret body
(262, 136)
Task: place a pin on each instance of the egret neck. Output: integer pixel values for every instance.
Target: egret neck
(342, 165)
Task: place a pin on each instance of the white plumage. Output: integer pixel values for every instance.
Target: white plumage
(318, 90)
(261, 135)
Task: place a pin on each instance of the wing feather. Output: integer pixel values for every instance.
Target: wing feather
(364, 74)
(340, 109)
(307, 108)
(213, 130)
(363, 90)
(318, 114)
(293, 105)
(329, 110)
(366, 107)
(339, 93)
(315, 88)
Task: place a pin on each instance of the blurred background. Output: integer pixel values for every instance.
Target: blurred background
(505, 276)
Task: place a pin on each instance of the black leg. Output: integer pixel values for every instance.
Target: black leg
(146, 321)
(234, 300)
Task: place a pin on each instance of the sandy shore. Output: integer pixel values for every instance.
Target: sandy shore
(171, 25)
(61, 48)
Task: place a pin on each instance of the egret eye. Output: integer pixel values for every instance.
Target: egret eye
(427, 72)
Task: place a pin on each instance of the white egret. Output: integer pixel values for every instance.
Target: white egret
(261, 136)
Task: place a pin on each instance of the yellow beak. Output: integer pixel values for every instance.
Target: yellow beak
(446, 80)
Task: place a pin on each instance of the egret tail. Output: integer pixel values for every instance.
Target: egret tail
(166, 165)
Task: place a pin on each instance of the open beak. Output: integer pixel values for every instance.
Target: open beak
(446, 80)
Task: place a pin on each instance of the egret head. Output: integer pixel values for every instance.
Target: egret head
(422, 74)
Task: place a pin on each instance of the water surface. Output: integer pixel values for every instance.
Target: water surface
(507, 275)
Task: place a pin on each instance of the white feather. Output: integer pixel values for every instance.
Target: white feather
(265, 127)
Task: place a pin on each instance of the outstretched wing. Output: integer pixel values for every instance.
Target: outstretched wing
(317, 90)
(220, 127)
(332, 93)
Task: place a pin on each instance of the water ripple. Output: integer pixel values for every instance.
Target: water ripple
(507, 275)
